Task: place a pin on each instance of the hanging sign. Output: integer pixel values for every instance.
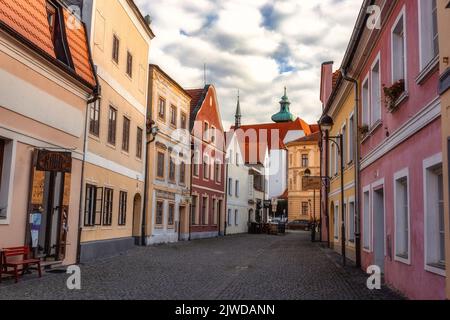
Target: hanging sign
(311, 183)
(54, 161)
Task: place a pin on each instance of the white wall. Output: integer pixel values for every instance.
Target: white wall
(277, 173)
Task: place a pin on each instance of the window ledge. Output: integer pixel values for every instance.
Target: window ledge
(427, 70)
(436, 268)
(403, 259)
(403, 97)
(375, 127)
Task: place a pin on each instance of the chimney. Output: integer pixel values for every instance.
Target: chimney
(326, 82)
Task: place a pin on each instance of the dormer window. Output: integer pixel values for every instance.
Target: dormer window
(51, 18)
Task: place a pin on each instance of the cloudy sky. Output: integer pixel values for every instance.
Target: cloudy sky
(256, 46)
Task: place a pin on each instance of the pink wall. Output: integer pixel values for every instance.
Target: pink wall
(413, 280)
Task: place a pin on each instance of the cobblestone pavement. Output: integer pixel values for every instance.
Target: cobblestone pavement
(235, 267)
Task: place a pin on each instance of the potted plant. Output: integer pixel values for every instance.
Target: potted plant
(364, 129)
(393, 93)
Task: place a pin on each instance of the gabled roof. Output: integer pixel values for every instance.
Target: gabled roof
(27, 22)
(314, 137)
(197, 95)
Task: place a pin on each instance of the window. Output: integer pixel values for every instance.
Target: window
(2, 154)
(196, 163)
(401, 205)
(215, 211)
(351, 221)
(94, 119)
(336, 161)
(291, 159)
(182, 172)
(108, 207)
(236, 189)
(305, 208)
(129, 64)
(230, 186)
(194, 209)
(183, 121)
(217, 171)
(365, 103)
(159, 213)
(375, 93)
(123, 208)
(206, 131)
(305, 161)
(126, 134)
(237, 159)
(429, 38)
(434, 214)
(229, 217)
(236, 217)
(172, 170)
(351, 148)
(51, 18)
(112, 126)
(213, 135)
(171, 217)
(173, 116)
(204, 210)
(344, 144)
(206, 167)
(336, 221)
(93, 206)
(115, 50)
(160, 164)
(139, 137)
(366, 220)
(398, 59)
(162, 109)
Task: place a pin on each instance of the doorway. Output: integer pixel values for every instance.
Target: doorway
(378, 227)
(137, 209)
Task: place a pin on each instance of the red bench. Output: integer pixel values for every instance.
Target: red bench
(7, 263)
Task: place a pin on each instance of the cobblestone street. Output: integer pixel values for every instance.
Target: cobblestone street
(234, 267)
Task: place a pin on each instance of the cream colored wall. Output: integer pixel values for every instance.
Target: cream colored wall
(341, 115)
(104, 178)
(296, 195)
(444, 51)
(110, 18)
(161, 86)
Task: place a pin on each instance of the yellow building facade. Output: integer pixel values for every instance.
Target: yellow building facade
(443, 8)
(342, 111)
(169, 154)
(114, 171)
(303, 154)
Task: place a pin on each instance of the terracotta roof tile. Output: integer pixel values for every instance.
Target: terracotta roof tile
(28, 18)
(336, 75)
(196, 95)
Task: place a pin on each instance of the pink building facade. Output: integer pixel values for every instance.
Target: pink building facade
(401, 203)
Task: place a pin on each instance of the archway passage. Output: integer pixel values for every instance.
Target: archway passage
(137, 217)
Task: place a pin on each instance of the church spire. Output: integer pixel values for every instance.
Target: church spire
(285, 114)
(238, 115)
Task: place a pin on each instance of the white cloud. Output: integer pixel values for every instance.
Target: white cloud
(246, 43)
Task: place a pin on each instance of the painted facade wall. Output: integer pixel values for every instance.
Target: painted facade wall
(342, 111)
(171, 141)
(443, 13)
(299, 198)
(389, 153)
(111, 164)
(208, 190)
(53, 94)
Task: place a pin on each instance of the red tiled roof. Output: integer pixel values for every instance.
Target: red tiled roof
(285, 195)
(314, 128)
(336, 75)
(196, 95)
(28, 19)
(314, 137)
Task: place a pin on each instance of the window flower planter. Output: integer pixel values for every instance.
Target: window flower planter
(394, 94)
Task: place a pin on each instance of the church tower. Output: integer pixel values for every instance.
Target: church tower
(284, 115)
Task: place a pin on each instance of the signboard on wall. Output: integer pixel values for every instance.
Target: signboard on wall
(311, 183)
(54, 161)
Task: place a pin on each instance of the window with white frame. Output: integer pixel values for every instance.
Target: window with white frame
(336, 221)
(229, 217)
(401, 199)
(230, 186)
(366, 220)
(6, 176)
(236, 189)
(434, 215)
(351, 221)
(331, 159)
(429, 37)
(365, 103)
(351, 148)
(344, 143)
(236, 217)
(398, 58)
(336, 161)
(375, 93)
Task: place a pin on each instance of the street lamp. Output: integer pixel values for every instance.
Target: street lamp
(326, 123)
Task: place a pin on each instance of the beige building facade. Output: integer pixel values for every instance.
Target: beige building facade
(169, 157)
(303, 154)
(114, 174)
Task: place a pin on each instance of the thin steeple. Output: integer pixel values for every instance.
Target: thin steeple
(238, 115)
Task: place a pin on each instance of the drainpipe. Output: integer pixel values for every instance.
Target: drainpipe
(356, 141)
(96, 97)
(192, 176)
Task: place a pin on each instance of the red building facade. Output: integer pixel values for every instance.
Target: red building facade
(207, 216)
